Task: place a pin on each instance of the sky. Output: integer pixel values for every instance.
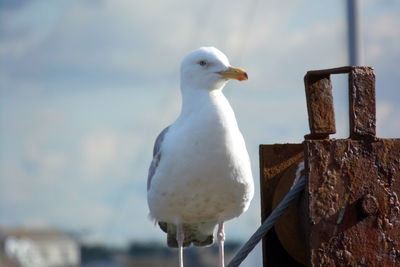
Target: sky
(86, 86)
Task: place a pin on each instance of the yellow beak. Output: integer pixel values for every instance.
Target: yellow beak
(234, 73)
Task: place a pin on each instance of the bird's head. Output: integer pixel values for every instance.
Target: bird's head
(208, 68)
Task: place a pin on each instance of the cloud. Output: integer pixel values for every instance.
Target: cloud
(387, 119)
(116, 38)
(105, 154)
(382, 37)
(99, 153)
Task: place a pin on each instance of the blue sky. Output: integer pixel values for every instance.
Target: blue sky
(86, 86)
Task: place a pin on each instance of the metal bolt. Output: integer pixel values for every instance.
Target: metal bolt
(368, 205)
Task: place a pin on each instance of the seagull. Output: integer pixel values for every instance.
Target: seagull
(200, 175)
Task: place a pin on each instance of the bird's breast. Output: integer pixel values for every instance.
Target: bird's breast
(205, 171)
(202, 170)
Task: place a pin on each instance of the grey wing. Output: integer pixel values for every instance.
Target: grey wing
(156, 156)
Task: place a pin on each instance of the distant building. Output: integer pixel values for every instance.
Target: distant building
(34, 248)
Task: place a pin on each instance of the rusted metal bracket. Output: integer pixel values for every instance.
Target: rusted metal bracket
(362, 111)
(349, 213)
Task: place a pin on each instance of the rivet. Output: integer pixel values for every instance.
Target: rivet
(368, 205)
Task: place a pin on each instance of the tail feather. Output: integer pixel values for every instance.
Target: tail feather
(200, 234)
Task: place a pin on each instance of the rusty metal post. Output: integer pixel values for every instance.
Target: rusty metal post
(349, 214)
(321, 115)
(362, 103)
(362, 111)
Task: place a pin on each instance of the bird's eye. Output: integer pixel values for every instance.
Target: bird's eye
(202, 63)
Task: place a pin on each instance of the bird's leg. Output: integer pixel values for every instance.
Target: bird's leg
(179, 238)
(221, 239)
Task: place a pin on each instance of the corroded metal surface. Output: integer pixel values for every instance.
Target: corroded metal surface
(277, 162)
(362, 103)
(350, 210)
(362, 111)
(321, 114)
(290, 227)
(353, 206)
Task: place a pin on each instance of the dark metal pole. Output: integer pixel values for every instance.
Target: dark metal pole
(353, 33)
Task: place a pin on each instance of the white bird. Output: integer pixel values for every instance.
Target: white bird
(200, 175)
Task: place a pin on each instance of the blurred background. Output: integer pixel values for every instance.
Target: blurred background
(86, 86)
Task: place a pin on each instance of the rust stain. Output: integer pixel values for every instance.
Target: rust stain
(366, 184)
